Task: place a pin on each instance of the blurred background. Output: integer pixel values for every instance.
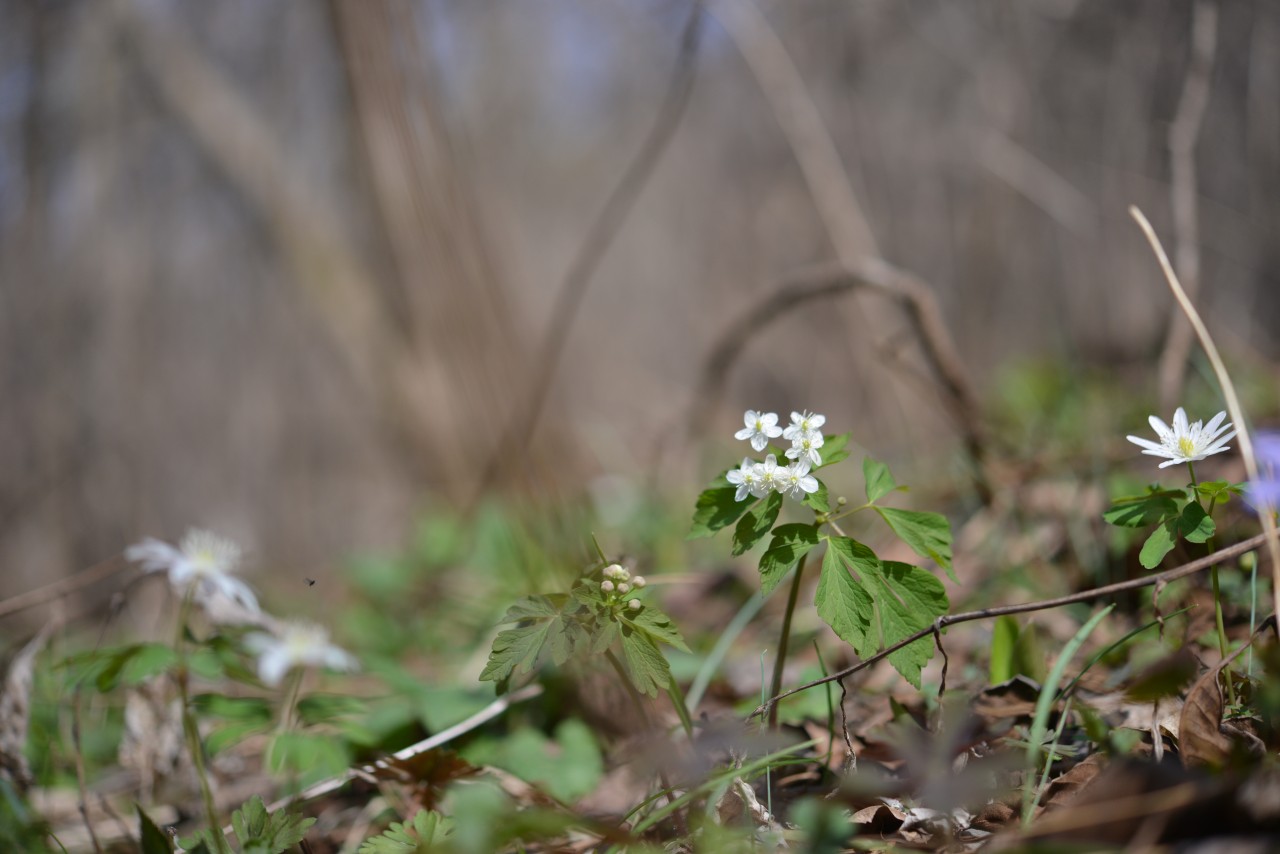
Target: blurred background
(304, 272)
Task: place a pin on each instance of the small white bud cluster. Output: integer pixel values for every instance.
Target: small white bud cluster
(618, 580)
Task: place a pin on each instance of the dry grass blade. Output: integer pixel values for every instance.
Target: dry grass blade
(15, 711)
(1224, 379)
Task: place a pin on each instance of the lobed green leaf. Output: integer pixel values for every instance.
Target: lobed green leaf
(754, 525)
(716, 508)
(928, 534)
(789, 544)
(878, 479)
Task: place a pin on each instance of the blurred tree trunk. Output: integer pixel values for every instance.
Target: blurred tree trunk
(455, 313)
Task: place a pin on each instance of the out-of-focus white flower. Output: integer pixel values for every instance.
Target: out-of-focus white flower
(802, 423)
(202, 563)
(638, 582)
(606, 586)
(795, 480)
(634, 604)
(1264, 494)
(624, 587)
(805, 447)
(1186, 443)
(761, 427)
(616, 572)
(769, 475)
(296, 644)
(747, 479)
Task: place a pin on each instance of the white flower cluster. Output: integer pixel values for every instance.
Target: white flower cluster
(618, 582)
(758, 479)
(201, 566)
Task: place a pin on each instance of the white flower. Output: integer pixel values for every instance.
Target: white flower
(202, 563)
(634, 605)
(606, 586)
(624, 587)
(769, 475)
(1186, 443)
(616, 572)
(802, 423)
(638, 582)
(761, 427)
(296, 644)
(747, 479)
(795, 480)
(805, 446)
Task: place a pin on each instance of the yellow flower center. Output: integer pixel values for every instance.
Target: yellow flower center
(1186, 447)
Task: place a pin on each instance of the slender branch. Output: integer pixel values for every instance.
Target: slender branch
(1228, 389)
(1184, 134)
(598, 240)
(825, 281)
(63, 587)
(1042, 605)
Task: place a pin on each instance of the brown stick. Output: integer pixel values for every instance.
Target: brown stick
(830, 280)
(1184, 133)
(63, 587)
(1043, 605)
(599, 238)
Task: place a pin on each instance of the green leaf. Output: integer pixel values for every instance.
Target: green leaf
(656, 625)
(312, 757)
(547, 625)
(1195, 525)
(879, 481)
(1159, 544)
(1139, 511)
(261, 832)
(757, 523)
(716, 509)
(649, 670)
(842, 602)
(154, 840)
(820, 500)
(789, 544)
(908, 599)
(892, 601)
(834, 449)
(1218, 491)
(427, 832)
(928, 534)
(1004, 644)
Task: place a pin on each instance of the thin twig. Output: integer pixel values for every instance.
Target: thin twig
(1228, 391)
(443, 737)
(1184, 133)
(63, 587)
(598, 240)
(1042, 605)
(825, 281)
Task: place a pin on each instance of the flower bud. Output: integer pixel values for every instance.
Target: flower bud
(638, 582)
(634, 605)
(606, 586)
(841, 501)
(624, 587)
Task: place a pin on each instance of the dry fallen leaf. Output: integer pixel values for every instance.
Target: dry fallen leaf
(1200, 737)
(15, 712)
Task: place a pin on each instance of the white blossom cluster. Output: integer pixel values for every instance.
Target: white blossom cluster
(618, 582)
(201, 566)
(758, 479)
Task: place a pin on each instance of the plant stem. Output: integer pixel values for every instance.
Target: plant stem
(192, 730)
(1222, 634)
(1217, 594)
(638, 701)
(780, 661)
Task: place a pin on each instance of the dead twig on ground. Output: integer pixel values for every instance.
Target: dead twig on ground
(1043, 605)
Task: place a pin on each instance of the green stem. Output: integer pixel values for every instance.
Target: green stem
(677, 699)
(1222, 635)
(191, 729)
(638, 701)
(780, 661)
